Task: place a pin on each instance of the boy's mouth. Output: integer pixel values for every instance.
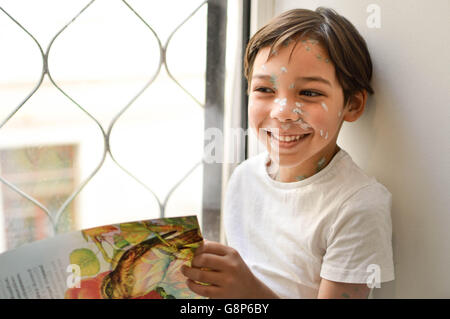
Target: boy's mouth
(287, 140)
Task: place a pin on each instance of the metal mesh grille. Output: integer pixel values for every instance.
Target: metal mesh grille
(55, 215)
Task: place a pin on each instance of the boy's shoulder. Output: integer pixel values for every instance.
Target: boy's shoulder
(354, 184)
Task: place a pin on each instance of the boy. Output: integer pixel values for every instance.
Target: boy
(302, 220)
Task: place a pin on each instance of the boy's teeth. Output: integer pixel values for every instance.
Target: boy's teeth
(288, 138)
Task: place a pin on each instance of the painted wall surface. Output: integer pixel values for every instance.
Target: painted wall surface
(403, 139)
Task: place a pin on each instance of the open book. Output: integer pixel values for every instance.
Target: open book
(139, 260)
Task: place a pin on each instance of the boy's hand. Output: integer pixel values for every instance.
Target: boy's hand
(227, 274)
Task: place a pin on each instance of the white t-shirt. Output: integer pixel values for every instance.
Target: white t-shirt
(335, 225)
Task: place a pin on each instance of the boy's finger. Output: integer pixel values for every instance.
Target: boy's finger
(211, 261)
(212, 247)
(202, 290)
(203, 276)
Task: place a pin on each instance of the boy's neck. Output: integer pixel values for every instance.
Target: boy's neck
(308, 168)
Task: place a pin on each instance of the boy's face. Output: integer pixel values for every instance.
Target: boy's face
(296, 103)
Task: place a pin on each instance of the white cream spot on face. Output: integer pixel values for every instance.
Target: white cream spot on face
(340, 113)
(263, 67)
(282, 103)
(302, 124)
(324, 106)
(273, 80)
(285, 126)
(283, 69)
(298, 109)
(305, 126)
(287, 42)
(291, 86)
(324, 134)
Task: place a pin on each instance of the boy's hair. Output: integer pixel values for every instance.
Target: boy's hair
(346, 48)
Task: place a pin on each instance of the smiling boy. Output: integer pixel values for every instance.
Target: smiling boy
(302, 220)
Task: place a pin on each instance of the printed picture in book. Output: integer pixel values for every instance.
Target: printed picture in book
(139, 260)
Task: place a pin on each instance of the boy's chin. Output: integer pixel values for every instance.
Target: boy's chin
(287, 161)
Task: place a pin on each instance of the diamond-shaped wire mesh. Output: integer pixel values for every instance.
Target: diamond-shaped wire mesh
(55, 215)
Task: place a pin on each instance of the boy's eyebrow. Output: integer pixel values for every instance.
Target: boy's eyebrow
(313, 79)
(261, 76)
(304, 78)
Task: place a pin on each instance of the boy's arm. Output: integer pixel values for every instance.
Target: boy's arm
(226, 273)
(340, 290)
(229, 277)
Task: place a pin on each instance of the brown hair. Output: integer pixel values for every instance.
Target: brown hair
(343, 43)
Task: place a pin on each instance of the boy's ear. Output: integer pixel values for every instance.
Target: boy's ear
(355, 106)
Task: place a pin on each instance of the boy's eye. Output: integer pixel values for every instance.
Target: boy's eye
(310, 93)
(264, 90)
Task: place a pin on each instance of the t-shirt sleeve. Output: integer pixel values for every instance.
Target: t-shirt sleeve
(359, 242)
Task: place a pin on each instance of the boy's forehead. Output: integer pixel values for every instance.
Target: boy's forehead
(306, 55)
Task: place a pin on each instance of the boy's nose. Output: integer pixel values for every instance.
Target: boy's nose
(282, 110)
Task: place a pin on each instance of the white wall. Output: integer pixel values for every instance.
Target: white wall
(404, 137)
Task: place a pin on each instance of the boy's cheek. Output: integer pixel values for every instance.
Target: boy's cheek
(319, 119)
(256, 116)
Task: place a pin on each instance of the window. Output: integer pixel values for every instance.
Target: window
(120, 97)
